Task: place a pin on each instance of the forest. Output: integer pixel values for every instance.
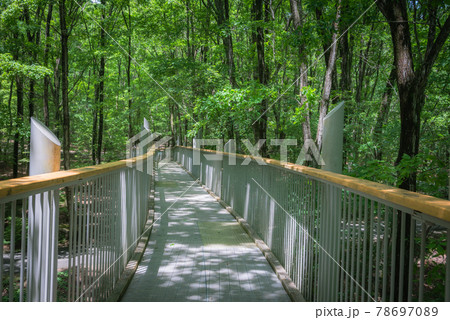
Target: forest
(91, 70)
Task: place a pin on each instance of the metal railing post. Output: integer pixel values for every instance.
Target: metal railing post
(44, 215)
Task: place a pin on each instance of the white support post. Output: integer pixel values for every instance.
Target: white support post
(42, 261)
(333, 137)
(331, 214)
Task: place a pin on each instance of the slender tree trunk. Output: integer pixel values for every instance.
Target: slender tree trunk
(297, 13)
(325, 101)
(56, 97)
(101, 97)
(260, 126)
(65, 83)
(346, 55)
(130, 100)
(19, 95)
(95, 120)
(45, 60)
(223, 21)
(11, 87)
(101, 87)
(362, 67)
(383, 114)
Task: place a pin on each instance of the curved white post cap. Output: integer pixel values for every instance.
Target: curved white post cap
(45, 149)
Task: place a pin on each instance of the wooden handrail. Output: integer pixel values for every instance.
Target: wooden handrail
(30, 183)
(439, 208)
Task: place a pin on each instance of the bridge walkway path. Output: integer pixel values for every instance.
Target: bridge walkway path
(197, 251)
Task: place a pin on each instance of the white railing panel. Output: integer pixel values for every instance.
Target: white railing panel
(336, 243)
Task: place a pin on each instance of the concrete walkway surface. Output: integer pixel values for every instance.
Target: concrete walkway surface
(197, 251)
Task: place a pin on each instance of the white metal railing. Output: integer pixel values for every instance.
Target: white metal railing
(339, 238)
(108, 208)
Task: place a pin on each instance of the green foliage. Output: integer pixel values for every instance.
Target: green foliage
(18, 232)
(10, 68)
(179, 71)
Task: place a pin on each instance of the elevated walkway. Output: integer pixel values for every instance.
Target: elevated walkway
(197, 251)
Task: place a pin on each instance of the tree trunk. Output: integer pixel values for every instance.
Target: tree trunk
(65, 83)
(383, 114)
(346, 55)
(363, 57)
(95, 120)
(325, 101)
(56, 97)
(411, 88)
(45, 58)
(223, 22)
(19, 94)
(101, 87)
(297, 13)
(130, 100)
(260, 126)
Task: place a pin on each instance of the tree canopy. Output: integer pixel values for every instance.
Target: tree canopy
(246, 69)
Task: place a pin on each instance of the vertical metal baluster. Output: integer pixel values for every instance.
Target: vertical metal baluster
(343, 242)
(96, 221)
(30, 261)
(353, 245)
(81, 231)
(401, 275)
(310, 246)
(116, 185)
(302, 236)
(394, 253)
(301, 265)
(363, 274)
(347, 262)
(315, 231)
(69, 264)
(83, 241)
(371, 245)
(377, 259)
(23, 250)
(106, 235)
(338, 244)
(86, 268)
(12, 250)
(104, 238)
(2, 239)
(79, 217)
(100, 214)
(328, 242)
(358, 250)
(319, 240)
(119, 220)
(422, 260)
(109, 230)
(411, 258)
(46, 236)
(385, 252)
(336, 216)
(306, 231)
(90, 216)
(54, 205)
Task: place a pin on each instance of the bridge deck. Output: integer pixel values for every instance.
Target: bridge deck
(197, 251)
